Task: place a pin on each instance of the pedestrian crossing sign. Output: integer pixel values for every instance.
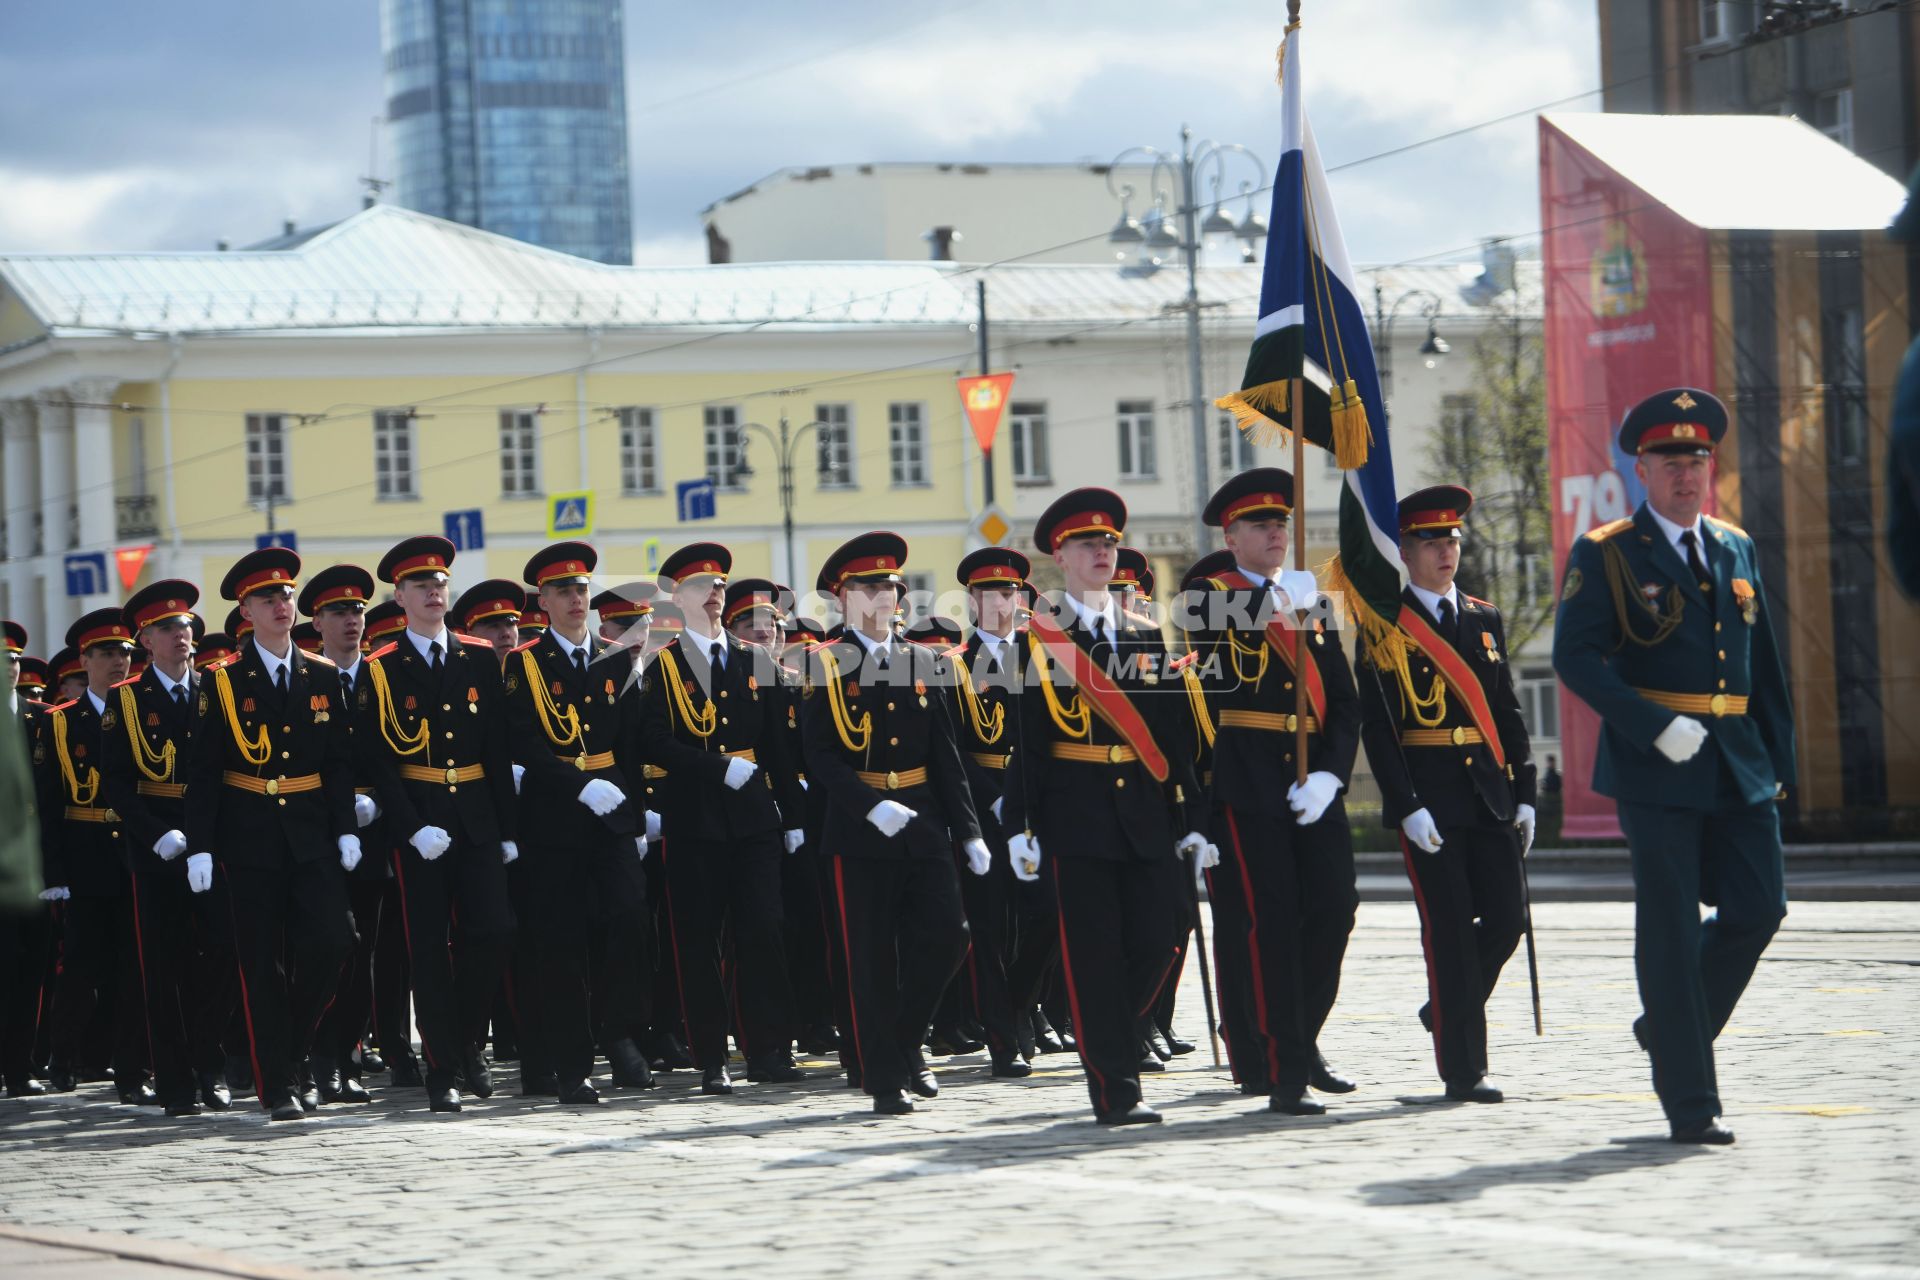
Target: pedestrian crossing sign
(570, 515)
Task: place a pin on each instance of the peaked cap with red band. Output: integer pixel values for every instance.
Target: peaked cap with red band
(259, 570)
(1434, 512)
(410, 557)
(1078, 512)
(346, 584)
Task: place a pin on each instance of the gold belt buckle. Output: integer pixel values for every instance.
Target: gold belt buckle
(1113, 754)
(893, 780)
(453, 775)
(1459, 736)
(1293, 721)
(580, 762)
(273, 786)
(112, 816)
(1717, 704)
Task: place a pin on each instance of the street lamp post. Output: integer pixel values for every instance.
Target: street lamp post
(1383, 318)
(1153, 236)
(783, 446)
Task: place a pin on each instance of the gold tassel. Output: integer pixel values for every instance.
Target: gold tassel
(1352, 435)
(1256, 410)
(1387, 645)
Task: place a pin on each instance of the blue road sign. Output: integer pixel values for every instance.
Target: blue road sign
(278, 538)
(695, 498)
(466, 530)
(87, 573)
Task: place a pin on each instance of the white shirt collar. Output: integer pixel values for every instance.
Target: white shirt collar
(703, 642)
(992, 642)
(274, 664)
(883, 647)
(99, 706)
(1673, 532)
(352, 670)
(569, 648)
(1432, 599)
(421, 643)
(1087, 615)
(169, 684)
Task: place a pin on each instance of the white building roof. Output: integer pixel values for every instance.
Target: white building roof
(388, 268)
(1740, 172)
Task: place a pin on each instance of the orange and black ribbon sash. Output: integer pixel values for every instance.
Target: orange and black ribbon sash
(1107, 699)
(1285, 641)
(1459, 676)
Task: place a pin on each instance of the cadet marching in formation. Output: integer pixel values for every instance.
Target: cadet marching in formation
(695, 821)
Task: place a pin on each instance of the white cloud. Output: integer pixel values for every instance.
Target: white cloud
(45, 213)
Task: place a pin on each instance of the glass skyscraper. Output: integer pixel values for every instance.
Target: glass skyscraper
(511, 116)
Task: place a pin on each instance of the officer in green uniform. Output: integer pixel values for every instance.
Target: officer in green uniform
(1663, 629)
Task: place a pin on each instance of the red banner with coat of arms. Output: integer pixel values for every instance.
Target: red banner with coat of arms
(1629, 311)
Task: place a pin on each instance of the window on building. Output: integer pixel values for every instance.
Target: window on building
(395, 464)
(726, 446)
(1833, 116)
(907, 442)
(1137, 461)
(266, 457)
(1716, 21)
(519, 453)
(1236, 450)
(639, 452)
(1539, 693)
(1027, 437)
(835, 436)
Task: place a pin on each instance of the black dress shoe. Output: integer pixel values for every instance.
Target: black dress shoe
(820, 1041)
(1180, 1047)
(578, 1094)
(61, 1080)
(140, 1095)
(404, 1072)
(214, 1093)
(896, 1103)
(25, 1089)
(287, 1109)
(1326, 1079)
(479, 1076)
(309, 1095)
(186, 1108)
(1011, 1068)
(1023, 1030)
(951, 1040)
(1138, 1113)
(539, 1084)
(1045, 1038)
(1709, 1132)
(447, 1099)
(1157, 1045)
(1253, 1087)
(1426, 1017)
(1150, 1061)
(778, 1069)
(674, 1053)
(327, 1080)
(351, 1090)
(716, 1081)
(924, 1084)
(1475, 1091)
(630, 1069)
(371, 1062)
(1294, 1102)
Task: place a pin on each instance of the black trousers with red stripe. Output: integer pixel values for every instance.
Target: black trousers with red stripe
(587, 913)
(292, 933)
(1283, 902)
(904, 933)
(100, 962)
(347, 1018)
(983, 975)
(459, 927)
(1471, 919)
(804, 927)
(719, 892)
(185, 945)
(1116, 949)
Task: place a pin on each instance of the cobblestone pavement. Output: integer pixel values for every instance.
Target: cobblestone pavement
(1572, 1176)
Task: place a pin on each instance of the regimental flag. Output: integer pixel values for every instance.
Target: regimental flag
(1312, 328)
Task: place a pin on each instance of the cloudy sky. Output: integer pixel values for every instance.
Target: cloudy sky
(126, 125)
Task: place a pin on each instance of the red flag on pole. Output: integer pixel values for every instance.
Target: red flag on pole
(984, 397)
(131, 560)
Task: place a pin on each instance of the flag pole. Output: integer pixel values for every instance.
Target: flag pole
(1296, 397)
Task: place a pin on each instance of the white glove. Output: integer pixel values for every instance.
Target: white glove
(1311, 798)
(171, 845)
(1300, 588)
(61, 893)
(1421, 831)
(1024, 850)
(509, 852)
(794, 840)
(891, 817)
(1523, 819)
(653, 825)
(738, 771)
(364, 810)
(430, 842)
(802, 782)
(199, 873)
(1681, 740)
(979, 857)
(349, 852)
(994, 808)
(1191, 842)
(519, 772)
(602, 797)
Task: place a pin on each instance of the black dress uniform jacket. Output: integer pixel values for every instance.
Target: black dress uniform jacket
(83, 855)
(565, 726)
(146, 780)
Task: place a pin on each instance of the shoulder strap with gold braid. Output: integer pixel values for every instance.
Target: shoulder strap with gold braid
(562, 727)
(854, 736)
(403, 743)
(987, 728)
(1619, 576)
(699, 721)
(144, 758)
(255, 752)
(82, 793)
(1074, 719)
